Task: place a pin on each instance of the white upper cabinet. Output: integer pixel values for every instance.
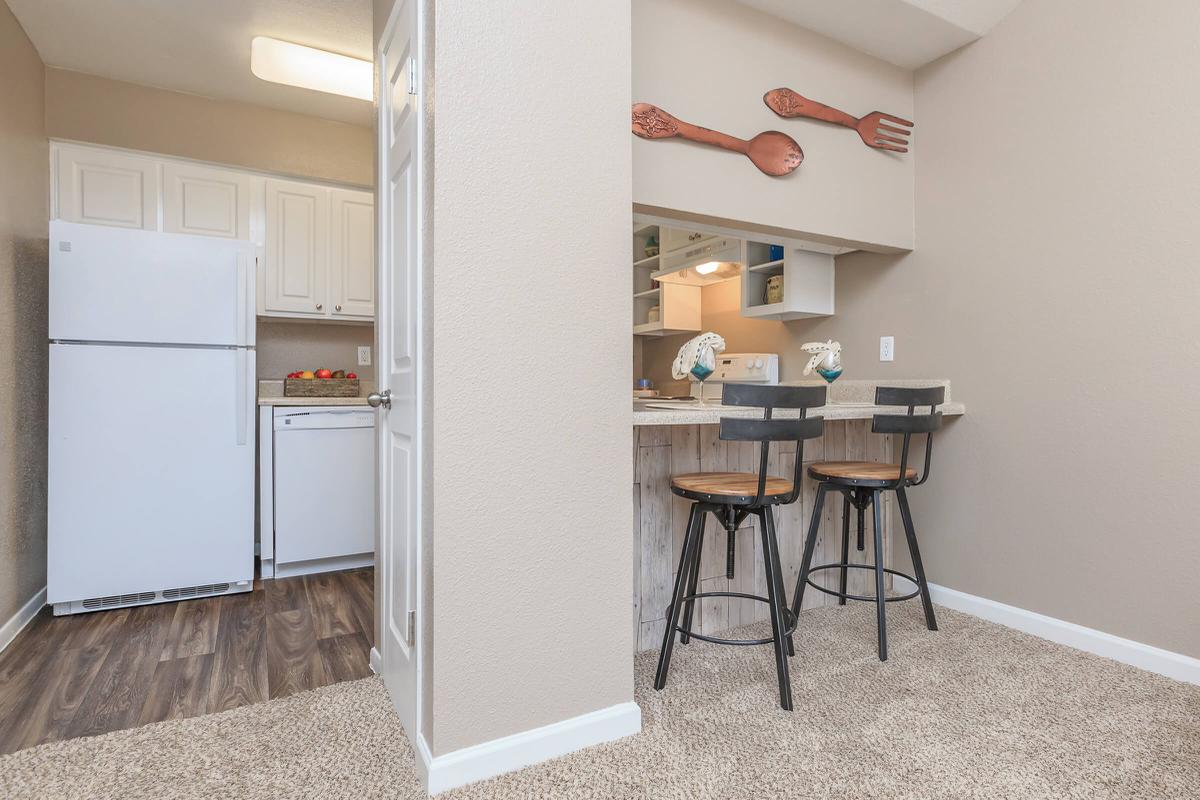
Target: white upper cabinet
(205, 201)
(352, 254)
(105, 187)
(317, 257)
(297, 248)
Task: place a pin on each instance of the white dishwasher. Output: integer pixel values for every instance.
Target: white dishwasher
(324, 476)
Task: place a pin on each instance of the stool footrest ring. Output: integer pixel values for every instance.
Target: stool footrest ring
(864, 598)
(788, 617)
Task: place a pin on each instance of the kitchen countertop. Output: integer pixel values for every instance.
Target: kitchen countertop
(270, 393)
(849, 400)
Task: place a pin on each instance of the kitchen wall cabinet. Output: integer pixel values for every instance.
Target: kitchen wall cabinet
(320, 253)
(316, 241)
(297, 247)
(204, 201)
(105, 187)
(660, 308)
(352, 254)
(807, 279)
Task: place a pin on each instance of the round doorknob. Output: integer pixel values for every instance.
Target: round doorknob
(338, 307)
(377, 399)
(319, 306)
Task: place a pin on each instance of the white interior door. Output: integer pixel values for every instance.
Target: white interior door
(397, 328)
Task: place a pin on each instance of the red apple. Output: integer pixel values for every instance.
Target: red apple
(322, 373)
(351, 376)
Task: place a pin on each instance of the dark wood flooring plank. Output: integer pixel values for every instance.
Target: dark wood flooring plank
(121, 687)
(193, 630)
(239, 669)
(346, 657)
(331, 612)
(359, 597)
(91, 629)
(285, 594)
(191, 687)
(157, 705)
(293, 660)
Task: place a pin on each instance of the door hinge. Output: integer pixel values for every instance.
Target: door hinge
(411, 636)
(412, 76)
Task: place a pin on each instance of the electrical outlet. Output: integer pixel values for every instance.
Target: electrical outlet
(887, 348)
(364, 356)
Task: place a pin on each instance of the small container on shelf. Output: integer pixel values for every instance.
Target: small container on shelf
(774, 292)
(651, 249)
(654, 314)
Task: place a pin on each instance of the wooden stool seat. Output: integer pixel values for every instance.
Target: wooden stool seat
(732, 485)
(862, 472)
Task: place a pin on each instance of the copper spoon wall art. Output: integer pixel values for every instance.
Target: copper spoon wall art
(772, 152)
(877, 129)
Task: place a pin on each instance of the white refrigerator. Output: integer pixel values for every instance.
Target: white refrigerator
(151, 452)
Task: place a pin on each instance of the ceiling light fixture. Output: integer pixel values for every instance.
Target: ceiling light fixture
(309, 68)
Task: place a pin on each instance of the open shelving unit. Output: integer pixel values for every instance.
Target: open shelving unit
(807, 281)
(678, 306)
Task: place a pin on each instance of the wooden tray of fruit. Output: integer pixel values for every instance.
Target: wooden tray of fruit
(321, 383)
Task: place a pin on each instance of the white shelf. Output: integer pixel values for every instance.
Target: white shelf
(766, 310)
(767, 266)
(647, 261)
(648, 292)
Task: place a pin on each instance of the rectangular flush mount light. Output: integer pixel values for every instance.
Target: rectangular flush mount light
(309, 68)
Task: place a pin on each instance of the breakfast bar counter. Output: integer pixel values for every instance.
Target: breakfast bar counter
(675, 441)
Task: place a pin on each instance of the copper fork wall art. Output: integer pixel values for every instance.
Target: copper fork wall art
(772, 152)
(877, 129)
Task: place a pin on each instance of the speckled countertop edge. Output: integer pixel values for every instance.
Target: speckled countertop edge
(851, 392)
(270, 393)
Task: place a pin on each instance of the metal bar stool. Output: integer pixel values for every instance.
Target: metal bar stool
(862, 484)
(731, 497)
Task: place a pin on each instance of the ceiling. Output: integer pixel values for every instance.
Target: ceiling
(907, 33)
(200, 46)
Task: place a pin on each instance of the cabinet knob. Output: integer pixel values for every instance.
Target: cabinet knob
(319, 306)
(338, 307)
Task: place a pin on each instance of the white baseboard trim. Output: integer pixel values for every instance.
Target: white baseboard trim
(376, 661)
(1143, 656)
(481, 761)
(23, 617)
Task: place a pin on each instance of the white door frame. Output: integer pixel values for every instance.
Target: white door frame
(400, 665)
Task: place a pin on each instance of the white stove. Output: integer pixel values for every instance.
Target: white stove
(760, 368)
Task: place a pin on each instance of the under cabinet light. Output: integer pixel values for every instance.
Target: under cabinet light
(705, 269)
(309, 68)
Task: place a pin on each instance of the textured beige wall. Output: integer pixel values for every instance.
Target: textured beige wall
(531, 548)
(1054, 283)
(89, 108)
(287, 346)
(709, 62)
(24, 209)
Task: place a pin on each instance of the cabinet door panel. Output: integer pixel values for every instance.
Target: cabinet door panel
(352, 256)
(297, 248)
(205, 201)
(107, 188)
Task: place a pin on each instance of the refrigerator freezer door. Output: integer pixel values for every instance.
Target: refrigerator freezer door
(119, 285)
(151, 469)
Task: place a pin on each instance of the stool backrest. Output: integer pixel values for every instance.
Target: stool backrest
(767, 430)
(910, 423)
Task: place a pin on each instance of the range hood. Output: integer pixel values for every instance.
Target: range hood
(710, 260)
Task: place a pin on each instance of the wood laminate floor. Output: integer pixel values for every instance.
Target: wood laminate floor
(86, 674)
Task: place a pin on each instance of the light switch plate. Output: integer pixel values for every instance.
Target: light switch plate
(887, 348)
(364, 356)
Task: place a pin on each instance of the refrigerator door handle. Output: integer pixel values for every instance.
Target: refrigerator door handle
(241, 401)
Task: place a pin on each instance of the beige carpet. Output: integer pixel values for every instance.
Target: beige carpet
(973, 711)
